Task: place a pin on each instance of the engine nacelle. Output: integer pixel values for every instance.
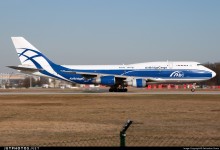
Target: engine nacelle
(139, 83)
(105, 80)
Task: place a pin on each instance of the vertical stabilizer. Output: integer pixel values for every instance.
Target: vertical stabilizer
(30, 55)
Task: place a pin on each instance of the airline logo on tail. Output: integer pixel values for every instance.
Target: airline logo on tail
(31, 56)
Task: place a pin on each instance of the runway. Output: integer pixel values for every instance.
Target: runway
(103, 92)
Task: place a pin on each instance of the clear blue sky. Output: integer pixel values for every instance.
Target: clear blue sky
(84, 32)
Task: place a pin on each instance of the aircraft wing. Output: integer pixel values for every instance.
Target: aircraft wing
(89, 75)
(92, 75)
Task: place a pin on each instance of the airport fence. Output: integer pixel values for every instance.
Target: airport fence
(131, 139)
(140, 141)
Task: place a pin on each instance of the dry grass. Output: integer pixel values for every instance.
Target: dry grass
(37, 119)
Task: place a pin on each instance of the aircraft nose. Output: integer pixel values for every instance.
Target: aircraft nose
(213, 74)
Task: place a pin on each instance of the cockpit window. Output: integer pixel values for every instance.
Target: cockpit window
(199, 64)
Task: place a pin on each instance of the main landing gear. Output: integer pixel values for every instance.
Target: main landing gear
(118, 89)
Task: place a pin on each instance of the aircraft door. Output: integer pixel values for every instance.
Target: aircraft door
(170, 65)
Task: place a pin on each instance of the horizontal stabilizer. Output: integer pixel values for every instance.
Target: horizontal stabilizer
(26, 69)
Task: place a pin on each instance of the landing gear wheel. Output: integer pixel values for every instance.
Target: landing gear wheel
(193, 90)
(125, 90)
(111, 90)
(117, 90)
(193, 87)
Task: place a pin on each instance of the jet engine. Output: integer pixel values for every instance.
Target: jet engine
(105, 80)
(139, 83)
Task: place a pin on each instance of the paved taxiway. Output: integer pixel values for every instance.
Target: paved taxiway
(106, 93)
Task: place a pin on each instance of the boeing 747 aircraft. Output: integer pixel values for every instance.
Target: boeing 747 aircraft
(117, 77)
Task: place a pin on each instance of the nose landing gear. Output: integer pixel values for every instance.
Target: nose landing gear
(193, 87)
